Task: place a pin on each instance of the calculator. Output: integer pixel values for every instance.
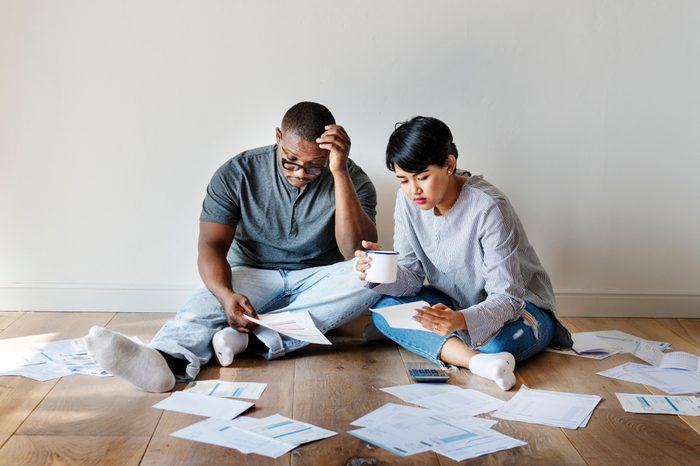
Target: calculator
(426, 373)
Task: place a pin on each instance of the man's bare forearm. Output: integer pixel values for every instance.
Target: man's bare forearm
(215, 272)
(352, 224)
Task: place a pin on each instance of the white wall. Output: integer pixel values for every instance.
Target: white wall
(114, 114)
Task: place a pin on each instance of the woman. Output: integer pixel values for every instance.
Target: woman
(492, 303)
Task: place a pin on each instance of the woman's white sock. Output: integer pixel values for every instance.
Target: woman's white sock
(227, 343)
(498, 367)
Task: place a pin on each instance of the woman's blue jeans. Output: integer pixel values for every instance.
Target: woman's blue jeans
(523, 338)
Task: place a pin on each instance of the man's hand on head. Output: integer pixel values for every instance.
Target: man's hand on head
(337, 141)
(235, 307)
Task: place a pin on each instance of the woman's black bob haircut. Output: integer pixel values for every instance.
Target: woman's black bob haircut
(419, 142)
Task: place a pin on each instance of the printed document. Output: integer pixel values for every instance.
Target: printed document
(604, 343)
(289, 430)
(232, 434)
(672, 381)
(203, 405)
(674, 360)
(401, 315)
(225, 389)
(415, 391)
(487, 441)
(659, 404)
(51, 360)
(465, 401)
(392, 412)
(556, 409)
(298, 325)
(432, 433)
(409, 439)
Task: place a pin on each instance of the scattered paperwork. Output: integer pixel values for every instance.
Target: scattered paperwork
(465, 402)
(225, 389)
(556, 409)
(203, 405)
(289, 430)
(415, 391)
(51, 360)
(672, 381)
(405, 431)
(272, 436)
(604, 343)
(401, 315)
(674, 360)
(225, 433)
(659, 404)
(396, 412)
(298, 325)
(487, 441)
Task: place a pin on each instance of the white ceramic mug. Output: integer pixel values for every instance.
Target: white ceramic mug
(382, 268)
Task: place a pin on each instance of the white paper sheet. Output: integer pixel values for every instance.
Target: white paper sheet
(226, 389)
(392, 412)
(557, 409)
(401, 315)
(672, 381)
(659, 404)
(288, 430)
(674, 360)
(32, 365)
(225, 433)
(408, 439)
(465, 401)
(487, 441)
(298, 325)
(604, 343)
(51, 360)
(203, 405)
(414, 391)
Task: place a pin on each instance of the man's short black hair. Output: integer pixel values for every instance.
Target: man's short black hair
(307, 120)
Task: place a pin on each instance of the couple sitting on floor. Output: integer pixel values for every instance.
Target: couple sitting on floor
(280, 224)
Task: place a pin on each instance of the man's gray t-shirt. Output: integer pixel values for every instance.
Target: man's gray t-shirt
(277, 225)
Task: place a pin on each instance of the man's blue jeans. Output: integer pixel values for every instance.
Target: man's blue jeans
(332, 294)
(521, 338)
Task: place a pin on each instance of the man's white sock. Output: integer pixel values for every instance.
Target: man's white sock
(138, 364)
(498, 367)
(227, 343)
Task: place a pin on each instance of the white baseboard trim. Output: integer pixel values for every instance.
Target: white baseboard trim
(55, 297)
(86, 298)
(624, 304)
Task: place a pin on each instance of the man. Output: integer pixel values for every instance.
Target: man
(276, 228)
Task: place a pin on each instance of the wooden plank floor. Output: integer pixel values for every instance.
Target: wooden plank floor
(94, 420)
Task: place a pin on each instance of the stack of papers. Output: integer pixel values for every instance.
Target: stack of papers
(446, 398)
(272, 436)
(225, 389)
(659, 404)
(556, 409)
(604, 343)
(672, 381)
(298, 325)
(406, 430)
(51, 360)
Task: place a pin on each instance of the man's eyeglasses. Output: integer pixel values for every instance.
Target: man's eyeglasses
(309, 170)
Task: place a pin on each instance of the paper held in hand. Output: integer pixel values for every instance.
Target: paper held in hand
(401, 315)
(297, 325)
